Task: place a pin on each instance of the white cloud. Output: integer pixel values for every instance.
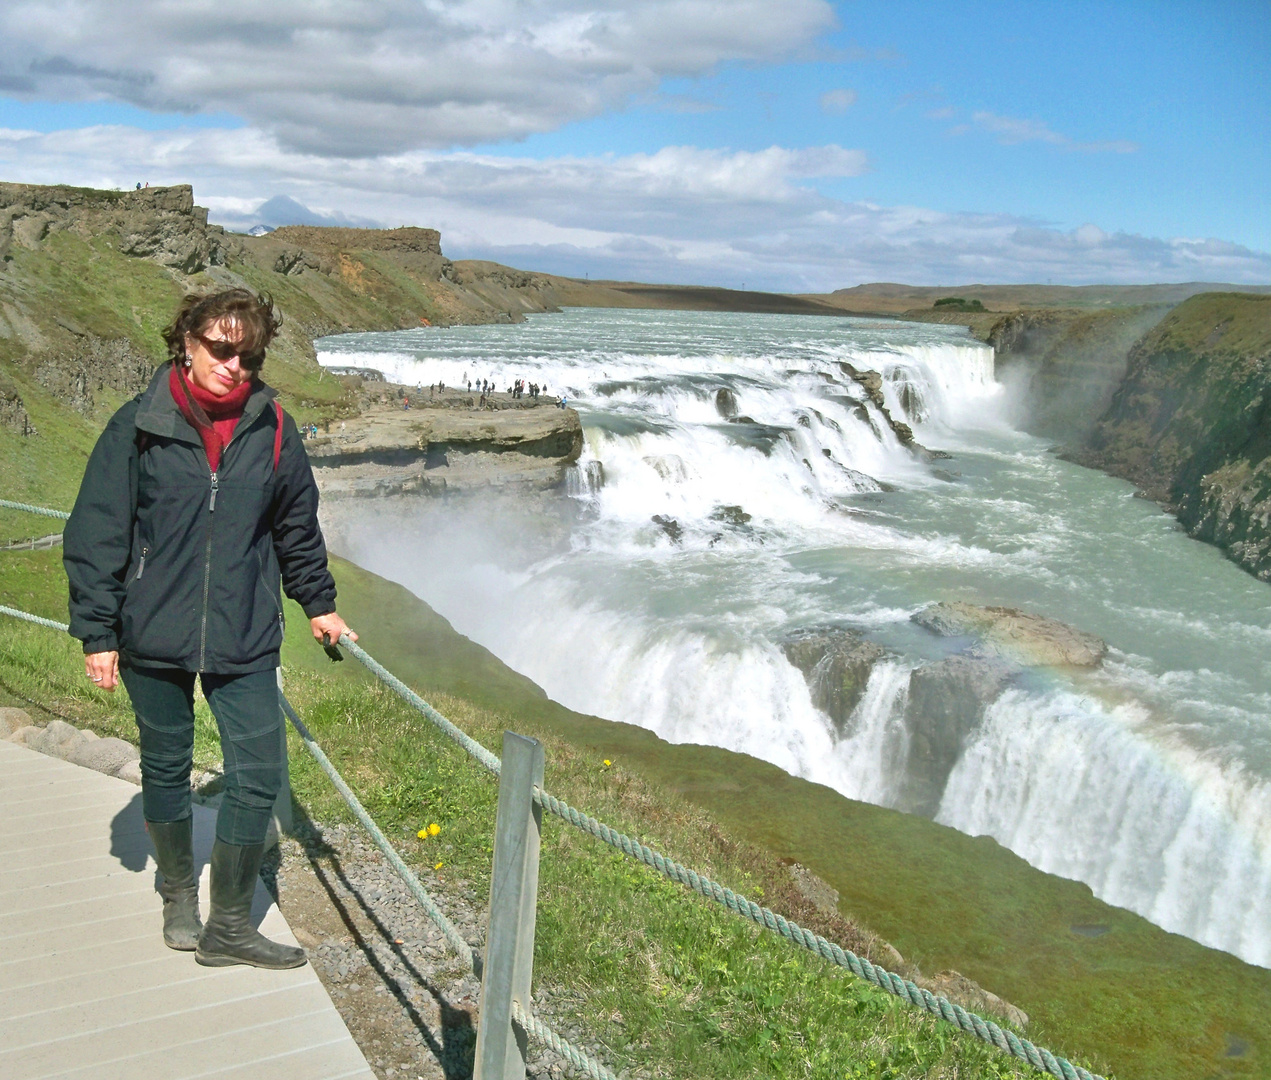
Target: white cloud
(348, 77)
(1011, 130)
(839, 100)
(681, 214)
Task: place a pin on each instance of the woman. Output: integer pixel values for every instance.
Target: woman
(197, 502)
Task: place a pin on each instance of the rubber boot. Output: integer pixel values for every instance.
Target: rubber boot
(174, 852)
(228, 935)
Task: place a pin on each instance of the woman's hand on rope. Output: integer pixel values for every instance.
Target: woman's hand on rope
(103, 669)
(328, 628)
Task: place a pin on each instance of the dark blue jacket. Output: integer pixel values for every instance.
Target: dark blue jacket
(178, 567)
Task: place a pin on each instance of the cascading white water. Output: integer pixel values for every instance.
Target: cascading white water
(1076, 792)
(788, 503)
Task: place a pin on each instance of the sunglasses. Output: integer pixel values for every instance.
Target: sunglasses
(227, 350)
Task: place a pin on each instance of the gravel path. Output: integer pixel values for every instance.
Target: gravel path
(405, 997)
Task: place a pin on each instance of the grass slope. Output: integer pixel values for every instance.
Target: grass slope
(56, 302)
(695, 989)
(664, 982)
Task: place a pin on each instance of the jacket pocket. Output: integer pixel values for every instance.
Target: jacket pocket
(262, 578)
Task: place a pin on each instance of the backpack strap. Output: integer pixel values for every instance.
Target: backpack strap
(277, 435)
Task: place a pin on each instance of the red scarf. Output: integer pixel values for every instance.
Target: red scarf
(213, 417)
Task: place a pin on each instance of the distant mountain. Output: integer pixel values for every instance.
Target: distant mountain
(284, 210)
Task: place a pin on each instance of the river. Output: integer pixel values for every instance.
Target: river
(1149, 779)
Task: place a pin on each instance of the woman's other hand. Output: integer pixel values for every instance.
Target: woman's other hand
(103, 669)
(331, 626)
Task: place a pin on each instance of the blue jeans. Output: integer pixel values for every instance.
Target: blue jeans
(250, 721)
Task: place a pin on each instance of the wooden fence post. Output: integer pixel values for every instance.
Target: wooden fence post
(509, 952)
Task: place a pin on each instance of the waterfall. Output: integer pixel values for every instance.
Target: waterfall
(738, 483)
(1153, 828)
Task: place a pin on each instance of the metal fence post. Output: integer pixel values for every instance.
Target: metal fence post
(509, 953)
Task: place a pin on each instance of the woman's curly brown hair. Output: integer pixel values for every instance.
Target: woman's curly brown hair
(253, 314)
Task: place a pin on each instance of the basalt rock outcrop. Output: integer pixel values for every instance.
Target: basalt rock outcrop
(1063, 366)
(948, 698)
(972, 996)
(1017, 637)
(446, 444)
(726, 403)
(836, 662)
(946, 705)
(872, 383)
(1191, 423)
(161, 224)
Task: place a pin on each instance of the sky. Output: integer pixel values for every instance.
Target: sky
(794, 145)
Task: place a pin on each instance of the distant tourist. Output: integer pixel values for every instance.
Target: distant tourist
(156, 605)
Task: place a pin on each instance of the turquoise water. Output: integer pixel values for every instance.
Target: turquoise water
(1149, 779)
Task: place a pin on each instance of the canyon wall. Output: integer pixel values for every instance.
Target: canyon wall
(1175, 400)
(1190, 424)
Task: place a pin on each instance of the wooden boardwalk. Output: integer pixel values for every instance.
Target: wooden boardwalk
(88, 991)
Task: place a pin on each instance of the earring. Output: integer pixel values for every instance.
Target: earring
(188, 360)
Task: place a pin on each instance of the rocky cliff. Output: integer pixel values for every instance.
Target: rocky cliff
(1191, 423)
(162, 224)
(89, 278)
(1063, 365)
(447, 444)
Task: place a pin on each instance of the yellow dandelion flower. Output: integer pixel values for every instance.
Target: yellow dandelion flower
(439, 866)
(422, 834)
(434, 829)
(607, 763)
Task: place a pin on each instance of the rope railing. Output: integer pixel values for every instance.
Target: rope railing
(470, 956)
(62, 514)
(985, 1030)
(449, 931)
(530, 1024)
(486, 758)
(52, 624)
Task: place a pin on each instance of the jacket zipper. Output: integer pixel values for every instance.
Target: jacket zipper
(207, 574)
(141, 568)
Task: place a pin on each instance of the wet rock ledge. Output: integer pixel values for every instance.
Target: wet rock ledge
(947, 699)
(446, 443)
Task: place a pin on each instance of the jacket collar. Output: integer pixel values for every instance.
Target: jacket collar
(157, 414)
